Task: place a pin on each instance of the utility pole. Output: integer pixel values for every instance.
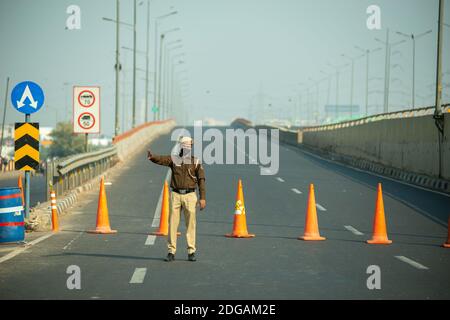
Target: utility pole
(133, 121)
(438, 116)
(438, 110)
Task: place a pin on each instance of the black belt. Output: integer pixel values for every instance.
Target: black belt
(183, 191)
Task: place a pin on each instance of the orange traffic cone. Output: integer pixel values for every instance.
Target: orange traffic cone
(240, 220)
(311, 232)
(447, 244)
(20, 185)
(102, 212)
(164, 217)
(379, 222)
(55, 223)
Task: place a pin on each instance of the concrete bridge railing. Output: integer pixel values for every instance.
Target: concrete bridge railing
(404, 145)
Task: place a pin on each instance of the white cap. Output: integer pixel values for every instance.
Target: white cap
(186, 141)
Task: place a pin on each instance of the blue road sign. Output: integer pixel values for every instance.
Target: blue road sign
(27, 97)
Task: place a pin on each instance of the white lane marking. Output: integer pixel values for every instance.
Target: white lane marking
(353, 230)
(412, 262)
(320, 207)
(155, 222)
(280, 179)
(20, 250)
(108, 183)
(73, 240)
(138, 275)
(296, 191)
(150, 240)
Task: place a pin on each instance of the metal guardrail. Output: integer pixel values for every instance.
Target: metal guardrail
(391, 115)
(69, 173)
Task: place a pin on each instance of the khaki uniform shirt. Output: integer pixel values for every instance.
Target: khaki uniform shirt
(184, 175)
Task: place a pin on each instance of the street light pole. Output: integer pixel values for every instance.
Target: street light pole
(160, 68)
(116, 117)
(337, 79)
(367, 53)
(387, 67)
(167, 50)
(386, 73)
(352, 60)
(156, 74)
(170, 84)
(413, 38)
(159, 75)
(156, 71)
(147, 60)
(133, 121)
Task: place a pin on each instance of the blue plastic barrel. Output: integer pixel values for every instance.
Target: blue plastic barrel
(11, 215)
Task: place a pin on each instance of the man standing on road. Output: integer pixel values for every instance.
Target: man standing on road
(187, 173)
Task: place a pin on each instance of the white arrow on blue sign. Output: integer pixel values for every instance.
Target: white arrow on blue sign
(27, 97)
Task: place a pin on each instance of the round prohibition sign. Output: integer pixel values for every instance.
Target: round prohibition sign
(86, 120)
(86, 98)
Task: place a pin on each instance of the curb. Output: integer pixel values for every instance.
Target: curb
(40, 216)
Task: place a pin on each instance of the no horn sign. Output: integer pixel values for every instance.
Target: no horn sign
(86, 109)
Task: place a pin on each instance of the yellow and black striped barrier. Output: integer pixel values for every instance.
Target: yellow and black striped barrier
(26, 145)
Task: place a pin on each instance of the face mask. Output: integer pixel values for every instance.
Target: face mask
(185, 152)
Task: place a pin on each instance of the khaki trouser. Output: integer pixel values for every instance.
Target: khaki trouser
(188, 203)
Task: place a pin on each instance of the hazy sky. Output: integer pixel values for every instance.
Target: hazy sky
(233, 48)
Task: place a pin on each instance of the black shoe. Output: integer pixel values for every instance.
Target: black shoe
(170, 257)
(191, 257)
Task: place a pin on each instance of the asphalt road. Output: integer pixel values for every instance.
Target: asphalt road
(273, 265)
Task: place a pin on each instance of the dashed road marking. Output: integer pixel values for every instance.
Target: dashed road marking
(320, 207)
(150, 240)
(280, 179)
(73, 240)
(138, 275)
(412, 262)
(353, 230)
(296, 191)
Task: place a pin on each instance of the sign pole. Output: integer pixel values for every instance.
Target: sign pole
(27, 97)
(86, 142)
(27, 182)
(4, 116)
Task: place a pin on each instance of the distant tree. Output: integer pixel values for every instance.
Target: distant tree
(65, 142)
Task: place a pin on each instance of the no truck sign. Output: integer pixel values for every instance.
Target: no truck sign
(86, 109)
